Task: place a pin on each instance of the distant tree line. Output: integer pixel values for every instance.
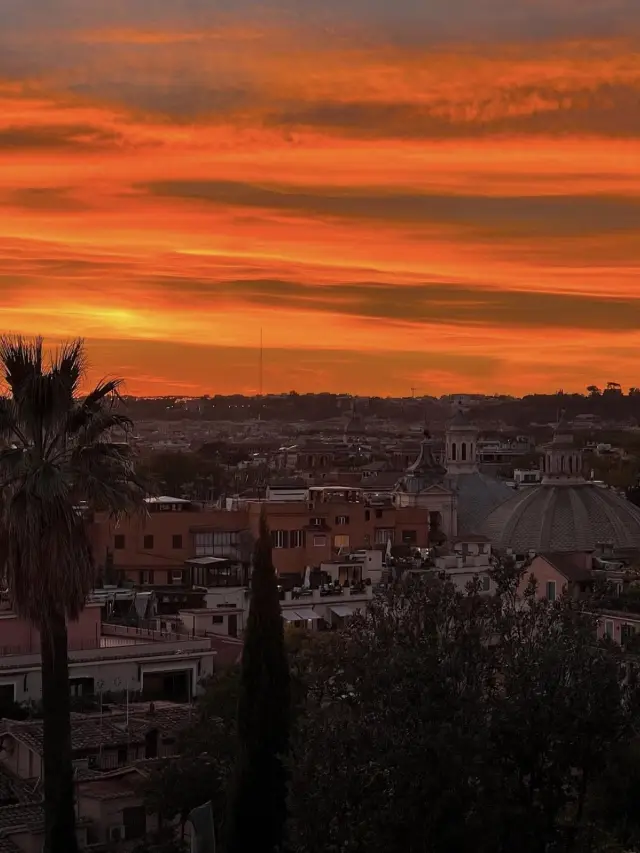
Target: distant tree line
(609, 402)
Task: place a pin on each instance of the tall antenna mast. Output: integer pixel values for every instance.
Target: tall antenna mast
(261, 361)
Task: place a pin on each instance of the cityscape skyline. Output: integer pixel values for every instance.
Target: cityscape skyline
(398, 195)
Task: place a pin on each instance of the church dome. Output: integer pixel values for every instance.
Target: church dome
(477, 496)
(573, 517)
(564, 513)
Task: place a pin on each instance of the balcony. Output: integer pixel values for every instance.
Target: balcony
(116, 642)
(327, 594)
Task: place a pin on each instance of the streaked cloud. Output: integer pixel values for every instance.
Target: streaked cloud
(556, 216)
(397, 194)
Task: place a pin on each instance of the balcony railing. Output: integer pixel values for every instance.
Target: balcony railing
(115, 641)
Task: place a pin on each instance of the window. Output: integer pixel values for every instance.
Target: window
(217, 620)
(608, 628)
(175, 577)
(296, 538)
(342, 520)
(319, 541)
(118, 541)
(378, 513)
(145, 577)
(454, 451)
(384, 535)
(551, 590)
(317, 522)
(203, 543)
(367, 515)
(81, 686)
(219, 543)
(409, 537)
(148, 542)
(134, 819)
(280, 538)
(486, 583)
(626, 633)
(176, 540)
(341, 541)
(7, 693)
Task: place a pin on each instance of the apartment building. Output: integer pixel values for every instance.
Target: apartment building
(467, 558)
(153, 547)
(106, 659)
(314, 609)
(161, 547)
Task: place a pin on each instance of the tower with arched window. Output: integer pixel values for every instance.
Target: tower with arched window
(461, 445)
(562, 462)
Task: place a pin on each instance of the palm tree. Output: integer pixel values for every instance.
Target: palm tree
(58, 454)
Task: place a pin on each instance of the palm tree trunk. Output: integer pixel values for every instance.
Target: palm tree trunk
(59, 805)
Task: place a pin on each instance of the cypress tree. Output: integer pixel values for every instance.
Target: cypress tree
(258, 811)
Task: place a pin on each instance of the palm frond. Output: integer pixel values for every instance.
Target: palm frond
(62, 454)
(20, 359)
(69, 364)
(8, 423)
(105, 388)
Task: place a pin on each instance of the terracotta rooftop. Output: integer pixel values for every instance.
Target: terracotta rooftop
(17, 817)
(90, 732)
(109, 789)
(14, 790)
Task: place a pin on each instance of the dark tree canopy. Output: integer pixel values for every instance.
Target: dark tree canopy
(442, 722)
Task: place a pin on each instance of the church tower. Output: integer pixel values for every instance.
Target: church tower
(461, 446)
(562, 463)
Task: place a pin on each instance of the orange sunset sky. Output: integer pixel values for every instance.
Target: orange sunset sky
(399, 193)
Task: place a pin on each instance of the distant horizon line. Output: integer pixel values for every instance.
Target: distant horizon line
(451, 397)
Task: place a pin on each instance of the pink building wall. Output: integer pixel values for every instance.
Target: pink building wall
(543, 572)
(18, 635)
(611, 624)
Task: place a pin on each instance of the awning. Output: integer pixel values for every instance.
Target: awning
(291, 616)
(342, 610)
(307, 613)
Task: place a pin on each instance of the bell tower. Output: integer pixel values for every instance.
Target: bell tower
(461, 445)
(562, 463)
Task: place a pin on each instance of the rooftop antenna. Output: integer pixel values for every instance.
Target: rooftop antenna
(413, 391)
(261, 361)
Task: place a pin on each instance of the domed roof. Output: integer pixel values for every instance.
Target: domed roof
(478, 495)
(576, 517)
